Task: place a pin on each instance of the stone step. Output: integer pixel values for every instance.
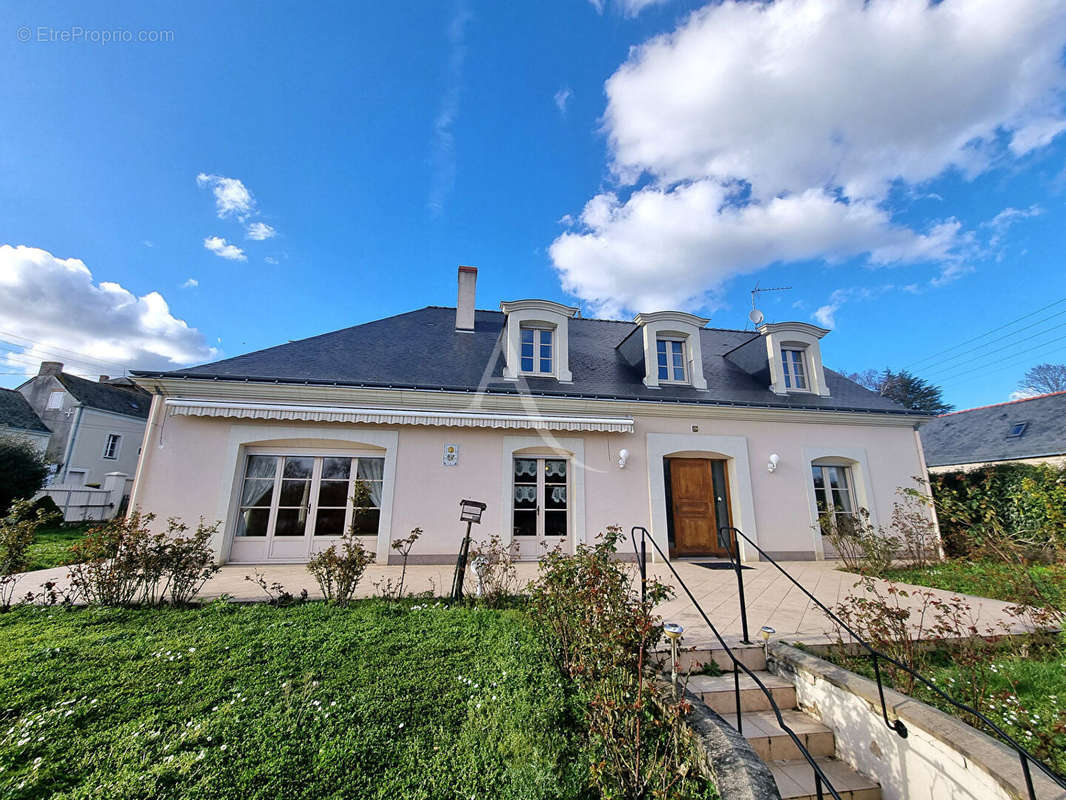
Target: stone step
(751, 656)
(795, 780)
(717, 692)
(772, 743)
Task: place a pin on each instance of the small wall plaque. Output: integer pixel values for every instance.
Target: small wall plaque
(451, 455)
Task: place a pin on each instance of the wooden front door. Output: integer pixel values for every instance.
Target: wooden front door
(693, 508)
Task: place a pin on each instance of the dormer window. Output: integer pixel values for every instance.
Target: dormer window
(535, 340)
(537, 351)
(792, 365)
(671, 360)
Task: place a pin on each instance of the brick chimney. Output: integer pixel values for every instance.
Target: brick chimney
(103, 379)
(50, 368)
(464, 307)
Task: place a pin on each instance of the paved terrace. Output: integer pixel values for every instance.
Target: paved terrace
(772, 599)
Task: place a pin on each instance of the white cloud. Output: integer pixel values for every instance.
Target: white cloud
(222, 249)
(1001, 223)
(56, 303)
(749, 114)
(190, 283)
(442, 157)
(232, 197)
(562, 98)
(666, 248)
(260, 231)
(270, 260)
(629, 8)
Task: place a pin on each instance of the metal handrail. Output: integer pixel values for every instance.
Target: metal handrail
(1024, 755)
(820, 777)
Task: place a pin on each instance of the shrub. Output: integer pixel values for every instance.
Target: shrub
(912, 523)
(17, 531)
(1023, 503)
(338, 571)
(46, 504)
(23, 469)
(862, 546)
(123, 563)
(403, 547)
(600, 633)
(493, 563)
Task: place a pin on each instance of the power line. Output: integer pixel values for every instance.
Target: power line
(60, 351)
(1028, 353)
(983, 335)
(972, 350)
(1009, 345)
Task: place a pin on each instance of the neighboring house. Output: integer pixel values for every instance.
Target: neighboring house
(562, 425)
(17, 418)
(1029, 431)
(97, 426)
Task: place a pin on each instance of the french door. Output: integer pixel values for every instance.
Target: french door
(293, 505)
(541, 509)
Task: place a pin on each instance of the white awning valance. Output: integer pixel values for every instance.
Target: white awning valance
(393, 416)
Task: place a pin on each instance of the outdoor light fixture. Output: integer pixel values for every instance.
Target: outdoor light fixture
(766, 632)
(469, 512)
(772, 465)
(623, 457)
(673, 632)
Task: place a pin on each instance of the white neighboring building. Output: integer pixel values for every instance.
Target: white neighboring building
(97, 426)
(17, 418)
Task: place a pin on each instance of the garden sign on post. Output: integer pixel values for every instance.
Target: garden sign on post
(469, 512)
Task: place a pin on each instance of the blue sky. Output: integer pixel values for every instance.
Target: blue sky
(909, 207)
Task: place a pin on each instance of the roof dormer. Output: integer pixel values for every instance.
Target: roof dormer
(536, 340)
(668, 345)
(795, 358)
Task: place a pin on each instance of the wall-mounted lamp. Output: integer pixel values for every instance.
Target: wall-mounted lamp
(623, 457)
(772, 464)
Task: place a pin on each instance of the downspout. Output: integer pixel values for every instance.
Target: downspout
(70, 444)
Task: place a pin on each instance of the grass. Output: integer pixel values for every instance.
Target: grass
(984, 578)
(310, 701)
(1026, 694)
(50, 545)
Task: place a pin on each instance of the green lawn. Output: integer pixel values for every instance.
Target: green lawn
(983, 578)
(311, 701)
(49, 548)
(1026, 696)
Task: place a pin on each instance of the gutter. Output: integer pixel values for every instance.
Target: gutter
(70, 442)
(513, 392)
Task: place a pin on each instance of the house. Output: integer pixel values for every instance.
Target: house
(97, 426)
(1027, 431)
(18, 419)
(563, 425)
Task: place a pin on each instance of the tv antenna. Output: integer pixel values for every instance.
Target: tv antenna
(755, 315)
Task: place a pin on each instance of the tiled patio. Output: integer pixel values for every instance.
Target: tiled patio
(772, 600)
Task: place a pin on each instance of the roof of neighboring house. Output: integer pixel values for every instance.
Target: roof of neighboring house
(984, 434)
(422, 350)
(129, 400)
(16, 412)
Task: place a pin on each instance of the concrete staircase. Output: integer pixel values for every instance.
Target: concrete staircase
(794, 776)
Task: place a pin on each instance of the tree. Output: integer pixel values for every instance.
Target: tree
(22, 470)
(907, 389)
(1044, 379)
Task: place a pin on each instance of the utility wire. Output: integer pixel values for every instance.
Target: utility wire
(47, 348)
(983, 335)
(972, 350)
(983, 368)
(1001, 349)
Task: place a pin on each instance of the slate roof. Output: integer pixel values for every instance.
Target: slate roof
(131, 401)
(422, 350)
(16, 412)
(981, 434)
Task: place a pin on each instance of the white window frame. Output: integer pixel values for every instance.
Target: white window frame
(789, 374)
(683, 342)
(827, 492)
(117, 438)
(538, 331)
(55, 401)
(313, 497)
